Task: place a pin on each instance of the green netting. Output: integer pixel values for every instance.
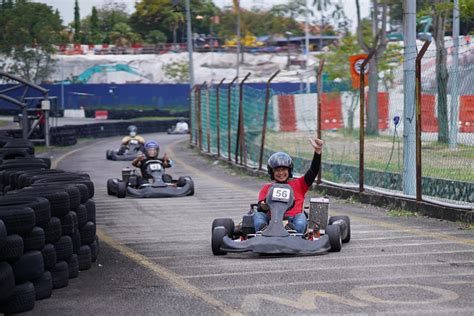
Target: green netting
(447, 167)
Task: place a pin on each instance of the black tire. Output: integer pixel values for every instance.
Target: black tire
(49, 256)
(81, 213)
(108, 154)
(88, 233)
(25, 178)
(94, 249)
(39, 205)
(60, 274)
(21, 300)
(218, 234)
(110, 186)
(28, 267)
(71, 179)
(73, 266)
(181, 182)
(59, 200)
(76, 241)
(63, 248)
(69, 223)
(121, 189)
(34, 240)
(85, 258)
(78, 193)
(17, 219)
(90, 206)
(3, 234)
(47, 161)
(43, 286)
(334, 234)
(7, 280)
(227, 223)
(12, 249)
(53, 231)
(347, 237)
(167, 178)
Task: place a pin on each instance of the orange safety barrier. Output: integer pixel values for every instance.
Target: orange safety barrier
(429, 122)
(286, 110)
(466, 113)
(382, 104)
(101, 115)
(331, 111)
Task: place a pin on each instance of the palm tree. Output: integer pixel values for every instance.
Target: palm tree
(173, 19)
(122, 35)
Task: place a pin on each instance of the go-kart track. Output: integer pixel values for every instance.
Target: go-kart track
(156, 256)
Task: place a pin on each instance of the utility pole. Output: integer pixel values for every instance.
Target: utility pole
(409, 118)
(453, 131)
(237, 7)
(189, 34)
(306, 44)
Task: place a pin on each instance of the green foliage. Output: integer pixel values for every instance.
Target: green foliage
(122, 35)
(77, 23)
(177, 70)
(95, 34)
(29, 32)
(155, 37)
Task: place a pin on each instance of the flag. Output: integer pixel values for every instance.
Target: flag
(355, 63)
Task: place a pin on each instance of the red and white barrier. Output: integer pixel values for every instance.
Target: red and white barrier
(298, 112)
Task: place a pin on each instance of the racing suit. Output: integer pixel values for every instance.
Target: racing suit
(300, 186)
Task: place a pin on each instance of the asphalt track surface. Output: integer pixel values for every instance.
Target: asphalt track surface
(156, 257)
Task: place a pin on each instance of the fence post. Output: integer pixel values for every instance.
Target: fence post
(239, 143)
(191, 124)
(200, 115)
(319, 91)
(361, 120)
(208, 120)
(196, 123)
(229, 92)
(218, 118)
(265, 116)
(419, 187)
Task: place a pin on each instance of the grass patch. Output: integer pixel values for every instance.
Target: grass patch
(465, 226)
(4, 123)
(401, 213)
(352, 200)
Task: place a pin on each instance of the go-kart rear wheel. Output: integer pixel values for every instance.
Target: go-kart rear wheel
(167, 178)
(181, 182)
(227, 223)
(218, 234)
(121, 189)
(347, 220)
(110, 184)
(334, 234)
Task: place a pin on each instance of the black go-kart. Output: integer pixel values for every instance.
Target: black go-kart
(278, 238)
(159, 185)
(133, 148)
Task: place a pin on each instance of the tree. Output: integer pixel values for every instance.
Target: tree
(95, 34)
(77, 23)
(376, 44)
(29, 32)
(174, 19)
(155, 37)
(122, 35)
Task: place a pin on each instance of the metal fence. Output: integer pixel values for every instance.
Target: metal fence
(246, 125)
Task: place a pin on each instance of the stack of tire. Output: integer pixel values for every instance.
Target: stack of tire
(63, 136)
(47, 227)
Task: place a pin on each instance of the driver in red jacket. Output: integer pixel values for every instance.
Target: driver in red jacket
(280, 169)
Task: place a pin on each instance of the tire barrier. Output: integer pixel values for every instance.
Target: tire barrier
(47, 225)
(67, 135)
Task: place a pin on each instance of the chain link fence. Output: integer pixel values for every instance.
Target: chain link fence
(446, 162)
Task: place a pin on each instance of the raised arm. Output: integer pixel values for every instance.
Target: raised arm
(313, 170)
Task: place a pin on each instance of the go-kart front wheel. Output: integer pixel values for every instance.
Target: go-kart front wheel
(227, 223)
(218, 234)
(334, 234)
(108, 154)
(121, 189)
(346, 231)
(110, 185)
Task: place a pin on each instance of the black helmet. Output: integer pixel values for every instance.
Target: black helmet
(280, 159)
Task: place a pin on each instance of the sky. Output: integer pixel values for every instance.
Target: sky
(66, 7)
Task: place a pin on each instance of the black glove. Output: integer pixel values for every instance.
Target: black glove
(263, 207)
